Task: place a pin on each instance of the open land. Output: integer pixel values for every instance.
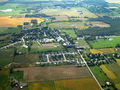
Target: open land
(16, 21)
(71, 33)
(104, 50)
(61, 18)
(53, 73)
(75, 84)
(118, 61)
(99, 24)
(101, 43)
(46, 47)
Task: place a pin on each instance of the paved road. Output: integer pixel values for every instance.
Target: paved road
(64, 57)
(90, 70)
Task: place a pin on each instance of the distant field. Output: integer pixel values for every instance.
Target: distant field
(53, 73)
(14, 22)
(46, 47)
(64, 25)
(99, 24)
(104, 50)
(33, 57)
(108, 72)
(71, 33)
(81, 43)
(79, 18)
(3, 0)
(101, 43)
(113, 1)
(75, 84)
(118, 61)
(61, 18)
(99, 75)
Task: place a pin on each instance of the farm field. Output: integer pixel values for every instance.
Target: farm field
(113, 1)
(33, 57)
(101, 43)
(71, 33)
(118, 86)
(46, 47)
(3, 81)
(81, 43)
(109, 73)
(104, 50)
(99, 75)
(16, 21)
(18, 75)
(71, 25)
(53, 73)
(99, 24)
(75, 84)
(118, 61)
(61, 18)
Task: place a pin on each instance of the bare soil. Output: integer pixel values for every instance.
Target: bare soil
(99, 24)
(53, 73)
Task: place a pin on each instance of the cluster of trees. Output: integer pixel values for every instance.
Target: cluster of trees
(38, 15)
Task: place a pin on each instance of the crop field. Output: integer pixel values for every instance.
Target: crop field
(75, 84)
(113, 1)
(118, 61)
(118, 86)
(14, 22)
(99, 24)
(99, 75)
(61, 18)
(108, 72)
(64, 25)
(71, 33)
(79, 18)
(53, 73)
(101, 43)
(46, 47)
(104, 50)
(3, 81)
(33, 57)
(81, 43)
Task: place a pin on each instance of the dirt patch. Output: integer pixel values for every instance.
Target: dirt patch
(99, 24)
(53, 73)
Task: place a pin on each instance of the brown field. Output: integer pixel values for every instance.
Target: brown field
(53, 73)
(61, 18)
(14, 22)
(99, 24)
(99, 15)
(104, 50)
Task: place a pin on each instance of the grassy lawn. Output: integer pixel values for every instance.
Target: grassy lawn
(3, 81)
(81, 43)
(101, 43)
(18, 75)
(99, 75)
(46, 47)
(71, 33)
(4, 30)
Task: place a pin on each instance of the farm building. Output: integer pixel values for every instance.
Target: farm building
(7, 10)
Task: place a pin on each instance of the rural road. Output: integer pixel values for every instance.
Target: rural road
(90, 70)
(38, 43)
(64, 57)
(24, 19)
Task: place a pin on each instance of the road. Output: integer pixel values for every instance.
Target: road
(90, 70)
(24, 19)
(48, 58)
(23, 40)
(38, 43)
(64, 57)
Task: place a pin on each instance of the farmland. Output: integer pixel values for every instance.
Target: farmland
(61, 18)
(108, 72)
(3, 81)
(104, 50)
(53, 73)
(17, 75)
(102, 43)
(118, 86)
(71, 33)
(16, 21)
(75, 84)
(118, 61)
(46, 47)
(100, 76)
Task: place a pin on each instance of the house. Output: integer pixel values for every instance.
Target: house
(25, 46)
(59, 39)
(22, 85)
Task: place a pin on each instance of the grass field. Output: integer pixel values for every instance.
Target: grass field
(104, 50)
(61, 18)
(99, 75)
(118, 86)
(4, 30)
(18, 75)
(64, 25)
(16, 21)
(33, 57)
(108, 72)
(118, 61)
(3, 81)
(81, 43)
(101, 43)
(71, 33)
(53, 73)
(75, 84)
(46, 47)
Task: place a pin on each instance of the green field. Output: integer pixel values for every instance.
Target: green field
(18, 75)
(46, 47)
(4, 30)
(81, 43)
(99, 75)
(71, 33)
(3, 81)
(101, 43)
